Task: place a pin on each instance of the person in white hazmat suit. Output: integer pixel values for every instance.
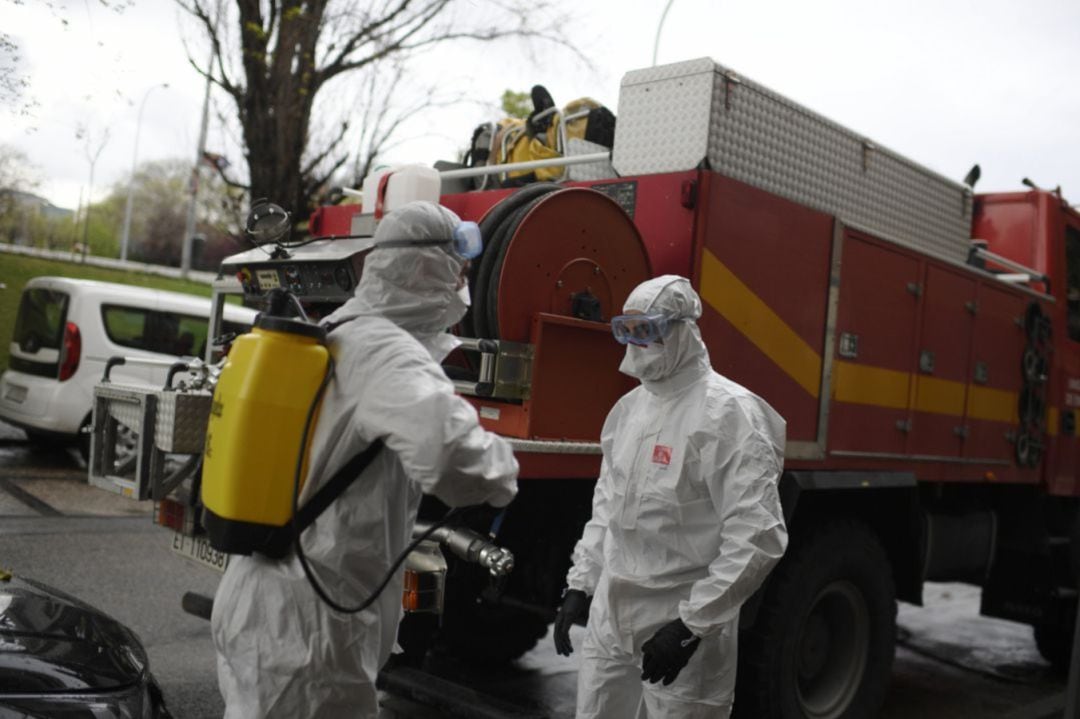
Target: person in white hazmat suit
(281, 651)
(686, 523)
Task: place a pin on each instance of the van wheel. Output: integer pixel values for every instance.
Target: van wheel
(823, 641)
(127, 440)
(85, 432)
(41, 439)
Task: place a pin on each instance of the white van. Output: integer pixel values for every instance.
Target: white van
(67, 329)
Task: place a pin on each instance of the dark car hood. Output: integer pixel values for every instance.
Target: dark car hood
(52, 642)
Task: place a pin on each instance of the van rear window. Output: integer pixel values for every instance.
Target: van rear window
(40, 323)
(39, 326)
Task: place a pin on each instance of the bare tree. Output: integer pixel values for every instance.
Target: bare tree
(381, 120)
(281, 53)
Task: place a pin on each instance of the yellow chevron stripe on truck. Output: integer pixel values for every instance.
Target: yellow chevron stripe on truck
(852, 382)
(738, 304)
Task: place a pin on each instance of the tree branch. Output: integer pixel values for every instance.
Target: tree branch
(368, 31)
(314, 183)
(196, 9)
(314, 162)
(226, 179)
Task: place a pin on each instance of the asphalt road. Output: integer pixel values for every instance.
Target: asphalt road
(105, 549)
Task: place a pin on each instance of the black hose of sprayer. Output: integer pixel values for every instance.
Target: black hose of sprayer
(308, 571)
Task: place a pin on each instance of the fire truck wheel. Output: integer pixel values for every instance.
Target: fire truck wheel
(1055, 645)
(823, 642)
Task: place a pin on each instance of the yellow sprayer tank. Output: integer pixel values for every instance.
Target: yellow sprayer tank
(260, 406)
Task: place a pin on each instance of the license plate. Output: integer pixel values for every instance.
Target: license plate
(198, 549)
(15, 393)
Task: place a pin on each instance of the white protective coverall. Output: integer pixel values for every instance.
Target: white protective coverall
(281, 651)
(686, 521)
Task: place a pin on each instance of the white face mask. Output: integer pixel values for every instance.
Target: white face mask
(646, 363)
(457, 307)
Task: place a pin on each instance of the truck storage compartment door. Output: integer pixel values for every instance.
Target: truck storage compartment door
(763, 274)
(938, 428)
(997, 349)
(1065, 401)
(871, 377)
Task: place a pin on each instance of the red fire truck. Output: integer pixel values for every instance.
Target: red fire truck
(922, 342)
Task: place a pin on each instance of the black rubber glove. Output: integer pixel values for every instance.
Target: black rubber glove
(574, 609)
(665, 655)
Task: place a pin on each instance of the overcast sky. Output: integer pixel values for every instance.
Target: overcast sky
(947, 83)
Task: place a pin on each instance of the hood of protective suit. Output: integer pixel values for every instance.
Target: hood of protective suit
(682, 356)
(413, 287)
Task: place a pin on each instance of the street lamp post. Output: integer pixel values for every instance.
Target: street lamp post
(189, 225)
(125, 235)
(659, 27)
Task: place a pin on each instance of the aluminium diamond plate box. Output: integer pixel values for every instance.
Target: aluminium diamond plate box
(698, 113)
(180, 421)
(137, 433)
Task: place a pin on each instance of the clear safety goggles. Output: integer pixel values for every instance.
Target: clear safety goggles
(465, 241)
(641, 330)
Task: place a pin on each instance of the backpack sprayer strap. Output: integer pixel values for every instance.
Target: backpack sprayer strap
(277, 544)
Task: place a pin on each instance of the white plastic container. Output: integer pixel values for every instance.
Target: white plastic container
(405, 184)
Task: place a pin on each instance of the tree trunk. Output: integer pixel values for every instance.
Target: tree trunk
(282, 65)
(276, 100)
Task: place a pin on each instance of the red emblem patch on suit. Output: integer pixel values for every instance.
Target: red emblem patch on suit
(661, 454)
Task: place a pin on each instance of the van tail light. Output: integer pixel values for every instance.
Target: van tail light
(71, 350)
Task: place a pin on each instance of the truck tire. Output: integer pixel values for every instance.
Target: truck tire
(823, 641)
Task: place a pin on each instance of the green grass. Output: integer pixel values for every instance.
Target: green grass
(16, 271)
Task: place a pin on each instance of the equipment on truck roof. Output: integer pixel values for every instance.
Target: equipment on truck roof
(583, 126)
